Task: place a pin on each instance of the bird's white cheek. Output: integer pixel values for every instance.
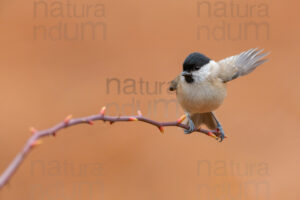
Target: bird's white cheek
(182, 79)
(203, 73)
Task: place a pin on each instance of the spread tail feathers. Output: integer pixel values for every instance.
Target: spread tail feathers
(204, 118)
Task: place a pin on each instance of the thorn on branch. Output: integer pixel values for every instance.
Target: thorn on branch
(36, 143)
(67, 119)
(181, 119)
(161, 129)
(102, 111)
(139, 113)
(32, 130)
(212, 135)
(132, 119)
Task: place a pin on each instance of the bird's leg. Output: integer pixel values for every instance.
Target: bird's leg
(219, 128)
(191, 124)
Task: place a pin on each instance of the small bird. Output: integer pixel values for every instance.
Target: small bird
(201, 87)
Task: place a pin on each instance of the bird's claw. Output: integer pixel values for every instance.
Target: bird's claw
(190, 130)
(191, 125)
(220, 134)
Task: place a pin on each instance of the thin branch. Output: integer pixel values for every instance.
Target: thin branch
(34, 140)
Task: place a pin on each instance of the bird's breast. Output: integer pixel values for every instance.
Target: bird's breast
(201, 97)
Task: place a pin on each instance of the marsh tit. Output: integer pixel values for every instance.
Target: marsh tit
(201, 87)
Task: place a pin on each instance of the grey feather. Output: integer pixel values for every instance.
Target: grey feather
(173, 84)
(241, 64)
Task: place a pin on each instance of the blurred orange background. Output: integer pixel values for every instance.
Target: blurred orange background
(45, 75)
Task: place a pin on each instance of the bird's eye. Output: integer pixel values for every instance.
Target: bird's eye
(197, 67)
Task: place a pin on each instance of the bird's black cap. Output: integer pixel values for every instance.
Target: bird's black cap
(195, 60)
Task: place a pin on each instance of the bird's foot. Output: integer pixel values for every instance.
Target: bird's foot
(220, 133)
(191, 125)
(190, 130)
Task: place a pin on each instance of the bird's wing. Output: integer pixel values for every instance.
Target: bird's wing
(241, 64)
(174, 83)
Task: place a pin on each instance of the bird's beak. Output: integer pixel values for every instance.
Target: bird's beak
(185, 74)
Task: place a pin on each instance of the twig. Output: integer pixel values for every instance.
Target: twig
(34, 140)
